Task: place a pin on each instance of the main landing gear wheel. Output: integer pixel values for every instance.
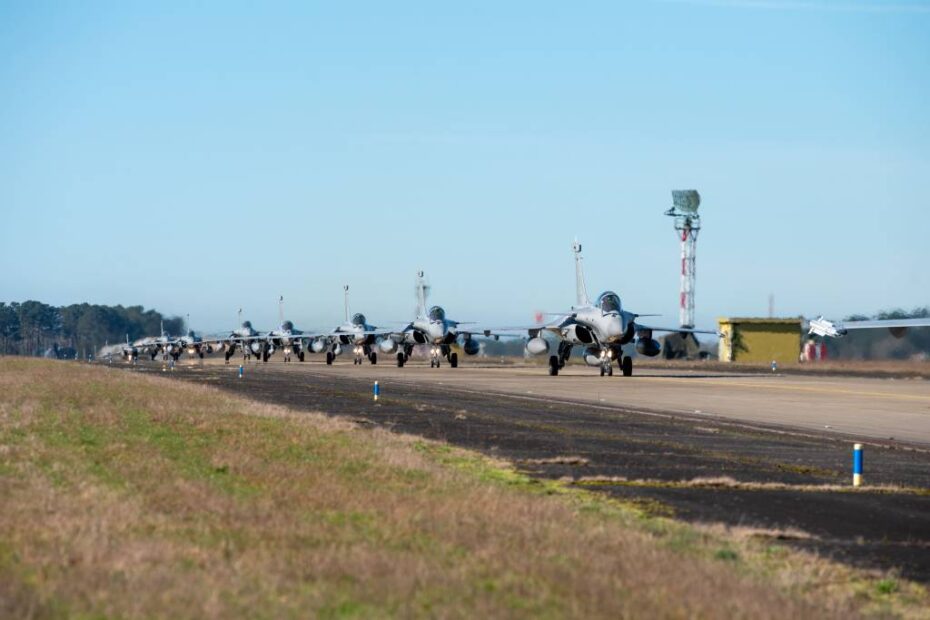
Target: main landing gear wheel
(301, 356)
(401, 358)
(453, 360)
(373, 358)
(329, 358)
(553, 365)
(627, 366)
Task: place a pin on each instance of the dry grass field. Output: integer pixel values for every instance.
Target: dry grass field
(133, 496)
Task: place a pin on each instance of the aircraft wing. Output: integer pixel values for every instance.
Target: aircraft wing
(836, 329)
(488, 332)
(679, 330)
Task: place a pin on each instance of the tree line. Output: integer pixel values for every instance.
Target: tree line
(36, 328)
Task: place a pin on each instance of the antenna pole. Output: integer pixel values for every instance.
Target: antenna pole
(345, 293)
(581, 291)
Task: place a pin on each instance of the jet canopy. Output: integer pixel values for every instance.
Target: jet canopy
(436, 313)
(358, 319)
(287, 326)
(609, 302)
(247, 325)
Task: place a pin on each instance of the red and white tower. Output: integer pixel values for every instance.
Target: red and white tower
(687, 225)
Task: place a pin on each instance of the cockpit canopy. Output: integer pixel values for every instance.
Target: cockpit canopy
(436, 313)
(247, 325)
(287, 326)
(609, 302)
(358, 319)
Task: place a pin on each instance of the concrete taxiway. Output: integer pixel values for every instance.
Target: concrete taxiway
(869, 409)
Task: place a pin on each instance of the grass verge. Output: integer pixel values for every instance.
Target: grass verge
(131, 496)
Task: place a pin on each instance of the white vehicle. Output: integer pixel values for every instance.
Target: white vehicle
(602, 328)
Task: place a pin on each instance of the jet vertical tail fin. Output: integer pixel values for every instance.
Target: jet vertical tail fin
(345, 290)
(281, 310)
(421, 295)
(581, 291)
(162, 328)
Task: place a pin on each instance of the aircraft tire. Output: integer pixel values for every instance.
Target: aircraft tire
(627, 366)
(373, 358)
(603, 370)
(454, 360)
(301, 356)
(329, 358)
(610, 371)
(553, 366)
(400, 360)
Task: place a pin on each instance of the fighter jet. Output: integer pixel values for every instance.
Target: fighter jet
(195, 345)
(355, 332)
(287, 338)
(602, 328)
(130, 351)
(433, 328)
(837, 329)
(167, 346)
(244, 338)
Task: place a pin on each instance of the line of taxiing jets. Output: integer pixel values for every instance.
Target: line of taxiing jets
(601, 327)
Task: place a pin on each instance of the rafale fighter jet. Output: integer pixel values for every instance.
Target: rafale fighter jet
(838, 329)
(355, 332)
(251, 342)
(167, 346)
(287, 338)
(602, 327)
(433, 328)
(130, 351)
(245, 338)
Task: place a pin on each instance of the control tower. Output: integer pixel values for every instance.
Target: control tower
(687, 225)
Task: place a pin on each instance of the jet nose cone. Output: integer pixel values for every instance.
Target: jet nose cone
(614, 327)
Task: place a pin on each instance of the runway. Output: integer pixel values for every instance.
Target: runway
(748, 451)
(866, 409)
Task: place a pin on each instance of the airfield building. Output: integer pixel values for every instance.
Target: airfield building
(756, 340)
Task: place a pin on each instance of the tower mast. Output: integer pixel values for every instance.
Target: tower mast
(687, 226)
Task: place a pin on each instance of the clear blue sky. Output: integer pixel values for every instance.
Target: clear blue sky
(201, 157)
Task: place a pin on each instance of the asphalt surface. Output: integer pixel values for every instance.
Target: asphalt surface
(779, 448)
